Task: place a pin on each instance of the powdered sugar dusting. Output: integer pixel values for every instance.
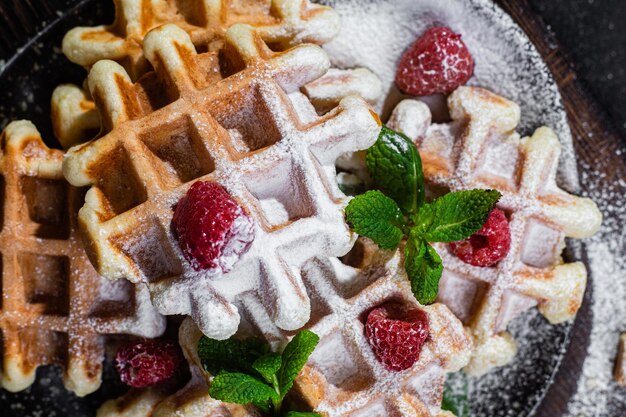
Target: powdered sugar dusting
(608, 266)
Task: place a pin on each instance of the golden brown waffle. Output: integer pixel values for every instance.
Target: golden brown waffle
(479, 149)
(620, 362)
(75, 118)
(254, 133)
(281, 23)
(342, 377)
(55, 308)
(288, 22)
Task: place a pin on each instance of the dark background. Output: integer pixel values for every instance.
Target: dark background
(593, 34)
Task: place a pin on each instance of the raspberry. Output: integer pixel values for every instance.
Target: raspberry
(489, 245)
(437, 63)
(212, 229)
(397, 335)
(148, 363)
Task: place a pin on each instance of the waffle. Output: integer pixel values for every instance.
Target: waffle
(342, 377)
(55, 308)
(620, 362)
(281, 23)
(75, 117)
(479, 149)
(254, 133)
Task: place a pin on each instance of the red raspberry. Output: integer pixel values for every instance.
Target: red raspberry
(396, 335)
(148, 363)
(212, 229)
(489, 245)
(437, 63)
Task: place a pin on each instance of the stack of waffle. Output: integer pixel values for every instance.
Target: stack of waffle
(254, 132)
(239, 93)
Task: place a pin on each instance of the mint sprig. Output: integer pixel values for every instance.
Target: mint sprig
(396, 168)
(238, 388)
(456, 216)
(401, 212)
(247, 372)
(294, 358)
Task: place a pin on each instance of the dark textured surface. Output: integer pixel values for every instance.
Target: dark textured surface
(593, 34)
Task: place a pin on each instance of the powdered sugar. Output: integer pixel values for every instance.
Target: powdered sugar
(596, 385)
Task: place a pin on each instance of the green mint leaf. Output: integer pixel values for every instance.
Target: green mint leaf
(265, 406)
(302, 414)
(455, 216)
(230, 355)
(455, 398)
(396, 168)
(295, 355)
(267, 366)
(424, 268)
(240, 388)
(378, 217)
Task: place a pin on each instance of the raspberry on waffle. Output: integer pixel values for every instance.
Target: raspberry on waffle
(283, 24)
(343, 376)
(480, 149)
(246, 126)
(192, 400)
(56, 309)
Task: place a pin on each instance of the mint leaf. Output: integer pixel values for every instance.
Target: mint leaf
(455, 398)
(396, 168)
(302, 414)
(424, 268)
(230, 355)
(295, 355)
(267, 366)
(240, 388)
(455, 216)
(378, 217)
